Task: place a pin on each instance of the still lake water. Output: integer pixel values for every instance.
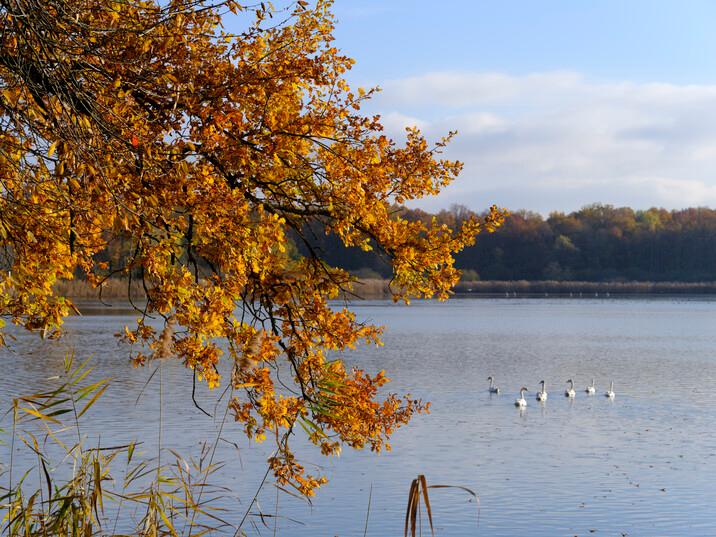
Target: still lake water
(641, 465)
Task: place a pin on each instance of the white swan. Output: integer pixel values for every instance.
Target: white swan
(493, 388)
(521, 402)
(591, 389)
(570, 391)
(542, 394)
(610, 393)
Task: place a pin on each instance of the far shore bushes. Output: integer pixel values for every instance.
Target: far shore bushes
(378, 288)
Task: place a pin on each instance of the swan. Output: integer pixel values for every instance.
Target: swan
(493, 388)
(521, 402)
(610, 393)
(591, 389)
(570, 391)
(542, 394)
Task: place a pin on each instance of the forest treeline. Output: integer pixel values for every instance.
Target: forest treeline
(598, 243)
(595, 243)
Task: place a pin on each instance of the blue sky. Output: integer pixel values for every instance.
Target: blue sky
(667, 41)
(557, 104)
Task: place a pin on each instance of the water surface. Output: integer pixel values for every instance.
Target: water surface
(643, 464)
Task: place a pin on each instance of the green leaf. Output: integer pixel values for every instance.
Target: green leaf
(93, 400)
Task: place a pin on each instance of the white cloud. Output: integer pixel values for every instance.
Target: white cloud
(397, 122)
(482, 123)
(558, 140)
(471, 89)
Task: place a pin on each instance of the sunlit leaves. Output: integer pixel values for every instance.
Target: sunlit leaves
(204, 154)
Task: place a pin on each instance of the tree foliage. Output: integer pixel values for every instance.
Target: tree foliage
(147, 122)
(600, 243)
(595, 243)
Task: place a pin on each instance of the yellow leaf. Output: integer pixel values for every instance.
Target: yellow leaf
(40, 415)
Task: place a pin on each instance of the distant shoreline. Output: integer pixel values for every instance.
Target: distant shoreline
(582, 288)
(374, 288)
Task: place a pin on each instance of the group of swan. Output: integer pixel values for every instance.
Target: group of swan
(542, 394)
(589, 390)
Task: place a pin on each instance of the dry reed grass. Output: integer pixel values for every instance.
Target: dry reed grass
(118, 289)
(171, 498)
(376, 288)
(371, 288)
(419, 493)
(112, 289)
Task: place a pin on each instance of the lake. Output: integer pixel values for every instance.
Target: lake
(643, 464)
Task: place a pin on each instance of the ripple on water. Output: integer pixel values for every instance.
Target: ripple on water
(643, 464)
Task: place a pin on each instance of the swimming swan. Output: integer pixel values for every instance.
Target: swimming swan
(570, 391)
(591, 389)
(521, 402)
(493, 388)
(610, 393)
(542, 394)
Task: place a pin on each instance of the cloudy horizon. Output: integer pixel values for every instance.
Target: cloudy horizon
(560, 140)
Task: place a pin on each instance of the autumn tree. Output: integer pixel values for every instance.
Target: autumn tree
(204, 150)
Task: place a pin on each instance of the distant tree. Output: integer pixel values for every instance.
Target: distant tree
(599, 242)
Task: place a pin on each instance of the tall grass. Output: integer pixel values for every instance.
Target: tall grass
(111, 289)
(376, 288)
(100, 483)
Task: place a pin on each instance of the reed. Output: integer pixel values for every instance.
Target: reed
(122, 289)
(173, 498)
(371, 288)
(111, 289)
(377, 288)
(419, 493)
